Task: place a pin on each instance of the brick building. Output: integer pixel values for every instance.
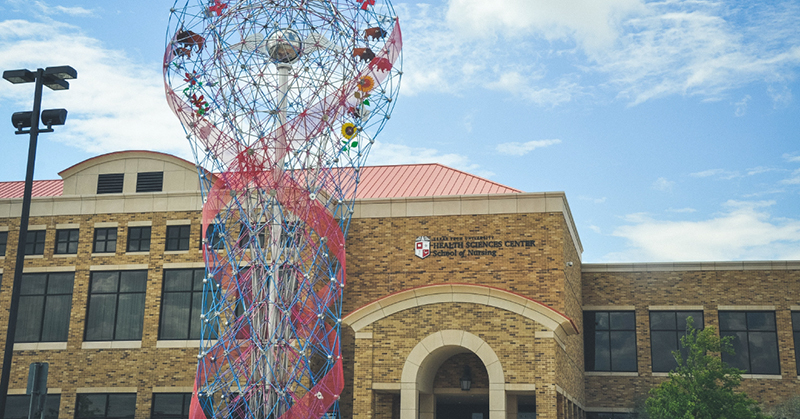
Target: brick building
(502, 299)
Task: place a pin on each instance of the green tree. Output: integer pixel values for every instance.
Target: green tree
(702, 386)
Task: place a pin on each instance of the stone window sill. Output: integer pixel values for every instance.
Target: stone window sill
(114, 344)
(40, 346)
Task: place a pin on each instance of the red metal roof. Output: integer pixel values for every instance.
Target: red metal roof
(400, 181)
(411, 180)
(40, 188)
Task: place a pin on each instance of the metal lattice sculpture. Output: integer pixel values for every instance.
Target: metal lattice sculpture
(281, 101)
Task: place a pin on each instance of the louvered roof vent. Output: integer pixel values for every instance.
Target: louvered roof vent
(149, 182)
(110, 183)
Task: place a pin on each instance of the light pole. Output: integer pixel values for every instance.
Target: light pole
(54, 78)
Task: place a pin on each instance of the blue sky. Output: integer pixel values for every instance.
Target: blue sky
(671, 125)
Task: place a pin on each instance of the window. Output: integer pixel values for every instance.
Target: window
(67, 242)
(105, 240)
(139, 239)
(34, 244)
(110, 183)
(666, 330)
(116, 305)
(101, 405)
(608, 415)
(149, 181)
(171, 405)
(755, 341)
(3, 242)
(178, 237)
(215, 236)
(17, 406)
(45, 303)
(796, 328)
(181, 304)
(610, 340)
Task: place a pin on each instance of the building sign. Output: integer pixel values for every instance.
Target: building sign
(465, 246)
(422, 247)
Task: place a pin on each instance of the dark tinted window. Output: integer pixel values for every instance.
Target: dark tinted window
(110, 183)
(171, 405)
(796, 328)
(755, 341)
(45, 304)
(181, 304)
(666, 330)
(116, 305)
(67, 242)
(215, 236)
(149, 181)
(105, 240)
(101, 406)
(178, 237)
(610, 340)
(17, 406)
(139, 239)
(34, 245)
(3, 242)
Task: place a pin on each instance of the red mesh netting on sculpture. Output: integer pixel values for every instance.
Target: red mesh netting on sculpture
(281, 101)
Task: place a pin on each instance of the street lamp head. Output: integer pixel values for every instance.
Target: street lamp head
(21, 120)
(52, 117)
(55, 84)
(284, 46)
(19, 76)
(62, 72)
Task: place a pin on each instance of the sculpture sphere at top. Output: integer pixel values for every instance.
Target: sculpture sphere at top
(326, 71)
(281, 100)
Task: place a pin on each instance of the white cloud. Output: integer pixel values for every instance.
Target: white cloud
(592, 23)
(521, 149)
(794, 180)
(640, 50)
(72, 11)
(741, 106)
(388, 154)
(592, 200)
(744, 231)
(718, 173)
(792, 157)
(595, 228)
(702, 48)
(663, 184)
(114, 104)
(686, 210)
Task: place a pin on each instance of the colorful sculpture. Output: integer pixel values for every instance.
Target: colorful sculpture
(281, 101)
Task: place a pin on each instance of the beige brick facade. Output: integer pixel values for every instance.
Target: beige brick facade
(503, 292)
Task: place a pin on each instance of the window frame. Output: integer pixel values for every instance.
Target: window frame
(25, 398)
(193, 315)
(108, 398)
(590, 340)
(108, 183)
(179, 239)
(796, 333)
(149, 182)
(45, 295)
(118, 293)
(185, 406)
(136, 239)
(723, 332)
(677, 332)
(106, 241)
(70, 240)
(39, 239)
(213, 231)
(3, 243)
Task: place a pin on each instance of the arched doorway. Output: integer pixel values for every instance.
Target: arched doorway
(461, 388)
(417, 394)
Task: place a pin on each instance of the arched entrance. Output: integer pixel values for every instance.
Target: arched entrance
(461, 388)
(417, 395)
